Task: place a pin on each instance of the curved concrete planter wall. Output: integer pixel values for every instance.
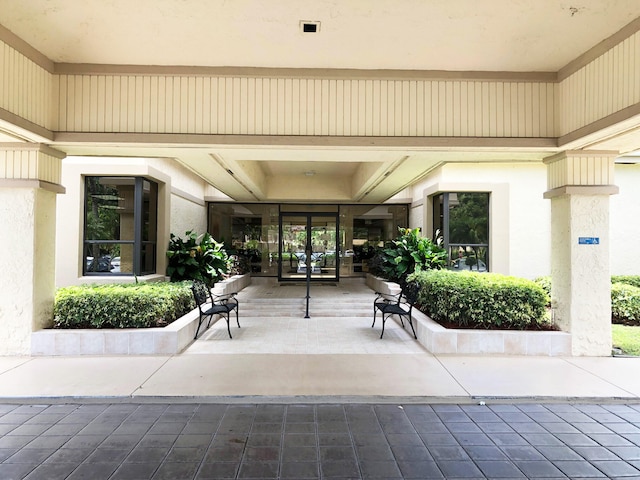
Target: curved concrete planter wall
(440, 340)
(168, 340)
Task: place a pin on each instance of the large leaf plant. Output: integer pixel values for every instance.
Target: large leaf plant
(406, 254)
(197, 257)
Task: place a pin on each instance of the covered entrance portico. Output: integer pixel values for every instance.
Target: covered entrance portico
(370, 109)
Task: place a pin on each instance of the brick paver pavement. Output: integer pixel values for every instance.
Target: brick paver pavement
(131, 441)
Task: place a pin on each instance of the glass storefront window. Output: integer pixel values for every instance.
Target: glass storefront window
(120, 232)
(461, 221)
(252, 232)
(249, 231)
(365, 227)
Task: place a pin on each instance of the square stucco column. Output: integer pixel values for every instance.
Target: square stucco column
(29, 183)
(580, 184)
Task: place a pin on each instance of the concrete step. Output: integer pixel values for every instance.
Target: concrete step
(340, 304)
(313, 311)
(312, 301)
(318, 307)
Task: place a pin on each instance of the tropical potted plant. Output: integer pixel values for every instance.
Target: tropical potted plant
(405, 254)
(197, 257)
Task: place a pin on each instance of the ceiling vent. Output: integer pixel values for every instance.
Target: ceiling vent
(309, 27)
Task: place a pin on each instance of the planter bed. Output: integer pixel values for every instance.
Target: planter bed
(440, 340)
(168, 340)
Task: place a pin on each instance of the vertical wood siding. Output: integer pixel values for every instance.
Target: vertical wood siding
(304, 106)
(580, 169)
(201, 104)
(606, 85)
(25, 87)
(30, 164)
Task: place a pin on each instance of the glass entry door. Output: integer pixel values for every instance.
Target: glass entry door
(305, 234)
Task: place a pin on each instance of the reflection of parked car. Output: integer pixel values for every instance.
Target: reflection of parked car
(302, 262)
(468, 263)
(102, 264)
(115, 265)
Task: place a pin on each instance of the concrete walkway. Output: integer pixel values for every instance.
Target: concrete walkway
(317, 398)
(423, 376)
(278, 354)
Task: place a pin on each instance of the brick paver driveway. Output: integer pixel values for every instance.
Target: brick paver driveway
(128, 441)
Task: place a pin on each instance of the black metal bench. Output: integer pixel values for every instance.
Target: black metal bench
(210, 305)
(400, 304)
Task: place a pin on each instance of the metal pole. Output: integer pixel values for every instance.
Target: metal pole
(308, 261)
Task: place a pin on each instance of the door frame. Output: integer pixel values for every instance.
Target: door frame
(309, 216)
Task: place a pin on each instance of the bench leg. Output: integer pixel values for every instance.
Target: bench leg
(198, 329)
(412, 329)
(200, 322)
(228, 327)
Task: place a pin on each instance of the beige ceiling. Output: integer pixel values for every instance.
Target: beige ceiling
(455, 35)
(496, 35)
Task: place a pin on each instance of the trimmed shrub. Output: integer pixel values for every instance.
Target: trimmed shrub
(625, 297)
(482, 300)
(628, 279)
(545, 283)
(625, 304)
(137, 305)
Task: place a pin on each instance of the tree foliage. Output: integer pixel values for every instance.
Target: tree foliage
(102, 223)
(469, 219)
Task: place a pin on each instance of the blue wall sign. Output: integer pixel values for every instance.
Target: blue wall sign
(588, 240)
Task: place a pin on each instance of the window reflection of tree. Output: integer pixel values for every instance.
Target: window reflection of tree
(469, 218)
(467, 228)
(102, 219)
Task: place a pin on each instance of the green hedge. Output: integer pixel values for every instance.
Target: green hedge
(625, 304)
(545, 283)
(487, 300)
(628, 279)
(625, 297)
(137, 305)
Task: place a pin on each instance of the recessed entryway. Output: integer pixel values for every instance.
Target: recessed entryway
(309, 247)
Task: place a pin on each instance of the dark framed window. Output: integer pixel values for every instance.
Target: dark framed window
(461, 221)
(120, 226)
